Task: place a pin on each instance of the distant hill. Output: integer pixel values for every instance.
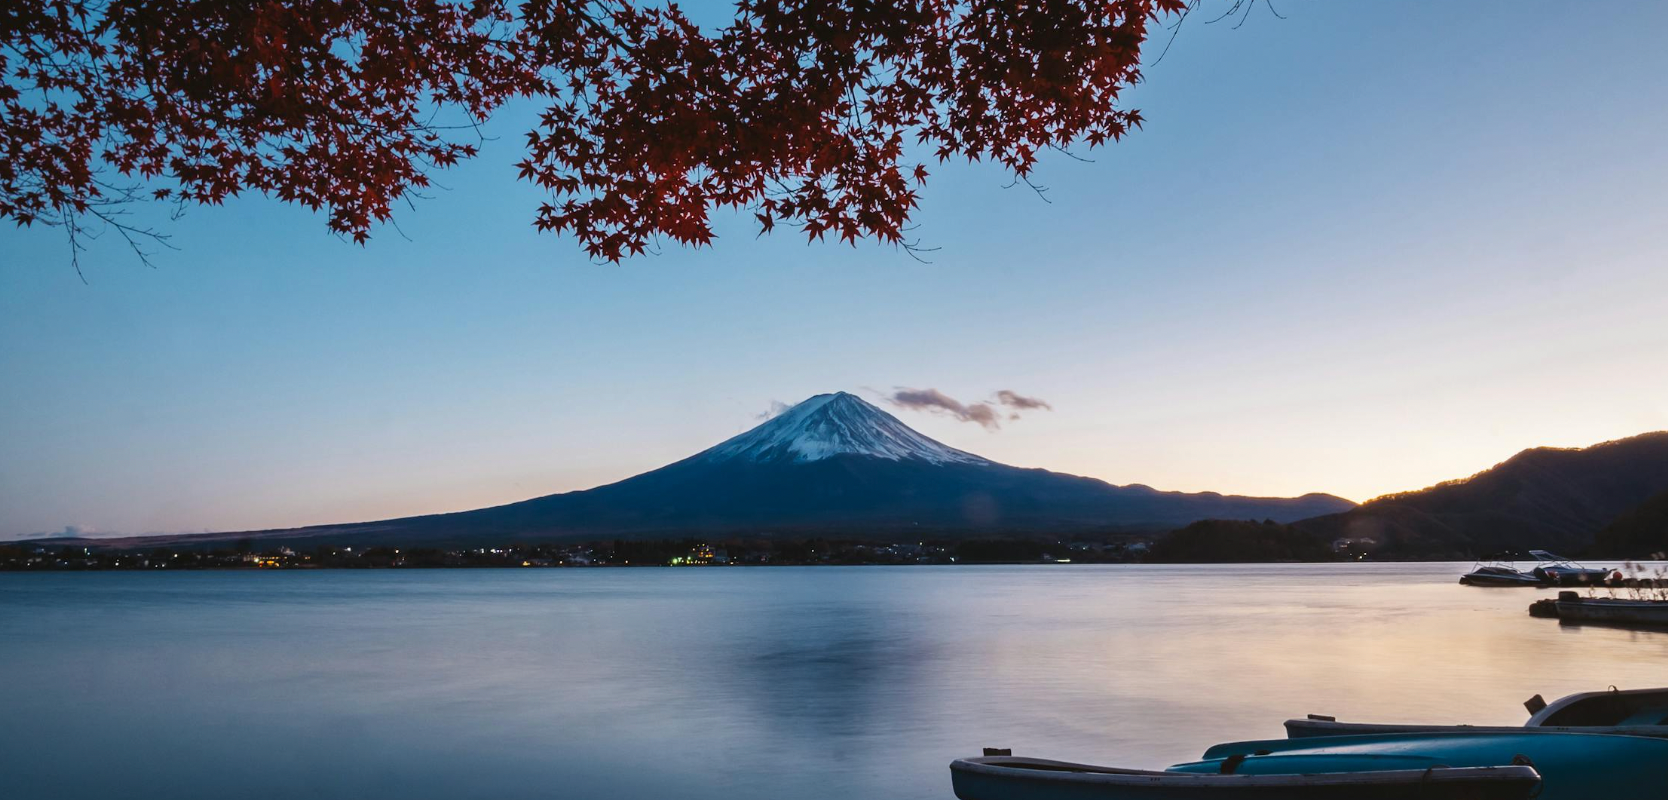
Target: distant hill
(833, 464)
(1640, 533)
(1548, 498)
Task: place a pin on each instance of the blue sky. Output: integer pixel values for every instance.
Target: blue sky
(1359, 250)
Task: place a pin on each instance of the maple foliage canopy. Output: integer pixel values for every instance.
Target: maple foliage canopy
(806, 112)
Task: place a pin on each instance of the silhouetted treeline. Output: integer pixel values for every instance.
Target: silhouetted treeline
(686, 551)
(999, 550)
(1233, 541)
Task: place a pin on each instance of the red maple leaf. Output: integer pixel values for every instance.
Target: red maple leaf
(799, 110)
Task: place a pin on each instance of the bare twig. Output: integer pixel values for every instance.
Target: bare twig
(1042, 191)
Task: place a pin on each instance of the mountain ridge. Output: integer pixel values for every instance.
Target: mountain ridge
(833, 464)
(828, 425)
(1640, 533)
(1555, 498)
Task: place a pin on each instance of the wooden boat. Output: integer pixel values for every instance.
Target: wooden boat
(1613, 611)
(1498, 571)
(1633, 712)
(1010, 778)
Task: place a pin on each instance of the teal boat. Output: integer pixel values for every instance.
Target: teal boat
(1011, 778)
(1571, 765)
(1630, 712)
(1437, 766)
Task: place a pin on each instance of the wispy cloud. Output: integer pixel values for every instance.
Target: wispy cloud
(775, 410)
(937, 401)
(1020, 402)
(987, 413)
(69, 532)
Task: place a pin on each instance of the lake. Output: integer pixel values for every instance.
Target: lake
(780, 682)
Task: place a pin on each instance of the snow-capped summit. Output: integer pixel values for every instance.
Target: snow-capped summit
(835, 424)
(832, 465)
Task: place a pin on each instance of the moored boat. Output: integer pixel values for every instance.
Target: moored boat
(1615, 611)
(1632, 712)
(1571, 765)
(1555, 570)
(1498, 571)
(1443, 764)
(1010, 778)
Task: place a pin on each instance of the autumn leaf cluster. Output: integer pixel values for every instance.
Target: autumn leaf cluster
(804, 112)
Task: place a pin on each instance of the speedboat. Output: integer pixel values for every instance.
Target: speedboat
(1498, 571)
(1633, 712)
(1447, 765)
(1556, 570)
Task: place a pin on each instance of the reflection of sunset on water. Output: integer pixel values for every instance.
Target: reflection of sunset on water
(466, 682)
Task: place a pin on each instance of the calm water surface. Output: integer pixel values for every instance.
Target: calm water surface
(734, 683)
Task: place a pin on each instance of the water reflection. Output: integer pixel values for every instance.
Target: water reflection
(735, 683)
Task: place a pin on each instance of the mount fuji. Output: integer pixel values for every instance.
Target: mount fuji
(831, 465)
(833, 425)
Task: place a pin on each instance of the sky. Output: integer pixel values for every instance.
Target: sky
(1362, 249)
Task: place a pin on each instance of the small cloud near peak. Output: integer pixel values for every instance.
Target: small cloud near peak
(987, 413)
(936, 401)
(1013, 399)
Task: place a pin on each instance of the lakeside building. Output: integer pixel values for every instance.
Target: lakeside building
(1354, 545)
(703, 555)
